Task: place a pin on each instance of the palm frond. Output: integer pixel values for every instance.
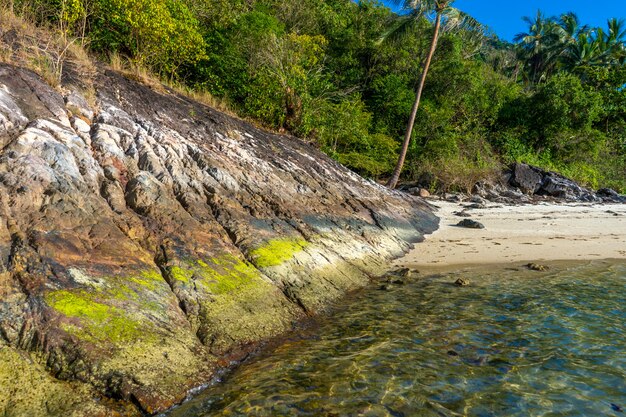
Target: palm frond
(400, 26)
(456, 19)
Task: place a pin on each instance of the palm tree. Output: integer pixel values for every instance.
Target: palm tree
(569, 28)
(540, 45)
(615, 41)
(417, 9)
(563, 43)
(587, 51)
(595, 47)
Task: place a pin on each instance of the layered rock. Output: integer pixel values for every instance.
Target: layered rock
(145, 237)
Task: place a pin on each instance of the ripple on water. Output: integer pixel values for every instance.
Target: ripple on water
(514, 343)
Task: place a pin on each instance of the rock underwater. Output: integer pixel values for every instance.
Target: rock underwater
(145, 237)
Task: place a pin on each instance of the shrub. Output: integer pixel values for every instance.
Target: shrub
(163, 35)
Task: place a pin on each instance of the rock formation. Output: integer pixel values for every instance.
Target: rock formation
(145, 239)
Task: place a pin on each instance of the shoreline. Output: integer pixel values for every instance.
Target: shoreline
(499, 222)
(545, 232)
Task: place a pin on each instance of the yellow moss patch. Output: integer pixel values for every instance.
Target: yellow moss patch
(181, 274)
(149, 279)
(219, 275)
(277, 251)
(102, 312)
(244, 307)
(98, 322)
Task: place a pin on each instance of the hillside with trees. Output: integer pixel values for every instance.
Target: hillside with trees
(344, 75)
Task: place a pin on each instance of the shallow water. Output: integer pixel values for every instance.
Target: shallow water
(513, 343)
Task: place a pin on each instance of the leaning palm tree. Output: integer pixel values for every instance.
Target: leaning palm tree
(444, 15)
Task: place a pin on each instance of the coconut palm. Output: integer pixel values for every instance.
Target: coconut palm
(540, 45)
(569, 28)
(596, 47)
(615, 41)
(551, 43)
(586, 52)
(444, 17)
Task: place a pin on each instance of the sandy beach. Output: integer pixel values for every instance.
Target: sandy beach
(514, 234)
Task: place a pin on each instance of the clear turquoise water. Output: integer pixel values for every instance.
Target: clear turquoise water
(514, 343)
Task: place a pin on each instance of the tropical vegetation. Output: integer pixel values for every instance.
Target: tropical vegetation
(345, 76)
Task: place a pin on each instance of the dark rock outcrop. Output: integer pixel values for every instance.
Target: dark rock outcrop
(462, 282)
(144, 238)
(525, 183)
(527, 178)
(532, 180)
(609, 195)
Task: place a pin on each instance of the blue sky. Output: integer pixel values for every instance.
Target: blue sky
(504, 17)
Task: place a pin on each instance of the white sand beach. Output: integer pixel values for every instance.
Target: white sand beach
(532, 233)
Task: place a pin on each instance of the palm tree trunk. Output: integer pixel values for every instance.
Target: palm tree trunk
(393, 181)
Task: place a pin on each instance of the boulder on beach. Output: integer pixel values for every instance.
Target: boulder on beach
(470, 224)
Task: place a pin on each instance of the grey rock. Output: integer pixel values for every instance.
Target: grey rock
(75, 101)
(453, 198)
(478, 200)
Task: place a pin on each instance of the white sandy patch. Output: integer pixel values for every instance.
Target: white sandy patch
(533, 233)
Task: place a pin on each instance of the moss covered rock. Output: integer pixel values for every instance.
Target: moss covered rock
(140, 249)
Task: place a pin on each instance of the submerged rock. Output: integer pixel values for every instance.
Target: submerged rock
(143, 244)
(536, 267)
(462, 282)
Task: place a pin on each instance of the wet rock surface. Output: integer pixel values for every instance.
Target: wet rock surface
(145, 238)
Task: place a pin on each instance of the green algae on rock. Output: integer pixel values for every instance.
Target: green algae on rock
(234, 303)
(28, 390)
(124, 322)
(277, 251)
(98, 322)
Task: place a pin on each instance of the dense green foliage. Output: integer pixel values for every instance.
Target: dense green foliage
(318, 69)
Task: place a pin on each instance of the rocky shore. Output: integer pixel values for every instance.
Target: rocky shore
(146, 240)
